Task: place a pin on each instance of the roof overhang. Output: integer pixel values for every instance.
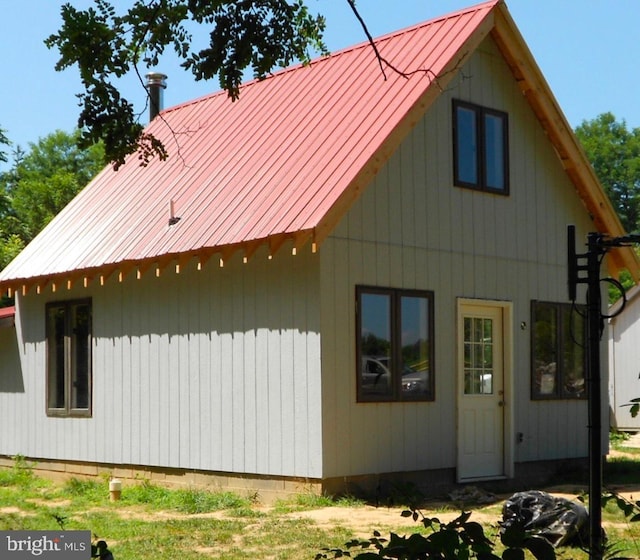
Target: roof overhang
(157, 266)
(570, 153)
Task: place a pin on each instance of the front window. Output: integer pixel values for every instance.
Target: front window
(558, 351)
(69, 358)
(394, 345)
(480, 146)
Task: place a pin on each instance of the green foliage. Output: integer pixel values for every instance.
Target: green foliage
(635, 407)
(20, 475)
(10, 246)
(200, 501)
(627, 282)
(309, 500)
(184, 500)
(614, 152)
(245, 34)
(4, 141)
(87, 490)
(630, 508)
(617, 438)
(459, 538)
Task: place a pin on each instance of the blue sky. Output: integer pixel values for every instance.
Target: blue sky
(588, 51)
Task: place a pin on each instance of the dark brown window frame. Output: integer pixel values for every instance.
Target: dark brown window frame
(481, 113)
(576, 313)
(67, 410)
(397, 394)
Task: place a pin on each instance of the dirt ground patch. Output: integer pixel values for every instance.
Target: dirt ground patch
(364, 520)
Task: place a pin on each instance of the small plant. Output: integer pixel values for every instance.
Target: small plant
(630, 509)
(146, 493)
(21, 474)
(311, 500)
(200, 501)
(617, 438)
(93, 490)
(459, 538)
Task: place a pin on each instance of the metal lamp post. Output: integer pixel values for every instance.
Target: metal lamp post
(589, 262)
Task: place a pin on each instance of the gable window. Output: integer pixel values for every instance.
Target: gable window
(480, 148)
(68, 332)
(394, 345)
(558, 341)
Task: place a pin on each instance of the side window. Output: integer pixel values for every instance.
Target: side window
(69, 373)
(394, 345)
(480, 148)
(558, 341)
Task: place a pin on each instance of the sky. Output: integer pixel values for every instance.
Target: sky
(588, 50)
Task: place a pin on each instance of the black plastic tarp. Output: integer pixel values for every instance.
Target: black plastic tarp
(558, 520)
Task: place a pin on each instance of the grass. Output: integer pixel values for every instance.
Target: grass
(151, 521)
(155, 522)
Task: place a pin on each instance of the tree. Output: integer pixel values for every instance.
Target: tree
(614, 152)
(245, 34)
(39, 184)
(4, 141)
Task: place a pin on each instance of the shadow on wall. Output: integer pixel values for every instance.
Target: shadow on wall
(11, 380)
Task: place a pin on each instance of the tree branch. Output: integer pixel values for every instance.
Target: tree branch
(382, 61)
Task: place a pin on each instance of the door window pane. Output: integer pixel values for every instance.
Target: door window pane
(478, 356)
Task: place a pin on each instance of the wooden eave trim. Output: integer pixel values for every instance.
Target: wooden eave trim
(84, 277)
(572, 157)
(404, 126)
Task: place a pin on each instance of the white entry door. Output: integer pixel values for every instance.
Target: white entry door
(481, 387)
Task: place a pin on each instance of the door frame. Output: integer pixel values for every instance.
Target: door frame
(507, 350)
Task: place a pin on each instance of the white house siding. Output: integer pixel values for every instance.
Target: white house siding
(624, 363)
(13, 391)
(413, 229)
(216, 369)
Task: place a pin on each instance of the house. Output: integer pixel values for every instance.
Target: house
(340, 279)
(624, 360)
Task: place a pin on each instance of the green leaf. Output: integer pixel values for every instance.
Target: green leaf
(257, 36)
(540, 548)
(513, 554)
(513, 535)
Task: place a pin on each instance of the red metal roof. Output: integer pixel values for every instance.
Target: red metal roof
(276, 164)
(285, 161)
(7, 316)
(7, 312)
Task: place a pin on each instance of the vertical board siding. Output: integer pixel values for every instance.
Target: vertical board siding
(216, 369)
(624, 364)
(224, 369)
(14, 395)
(413, 229)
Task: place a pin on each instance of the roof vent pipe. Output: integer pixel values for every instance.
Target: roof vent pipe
(155, 84)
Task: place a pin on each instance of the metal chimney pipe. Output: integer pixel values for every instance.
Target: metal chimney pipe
(155, 84)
